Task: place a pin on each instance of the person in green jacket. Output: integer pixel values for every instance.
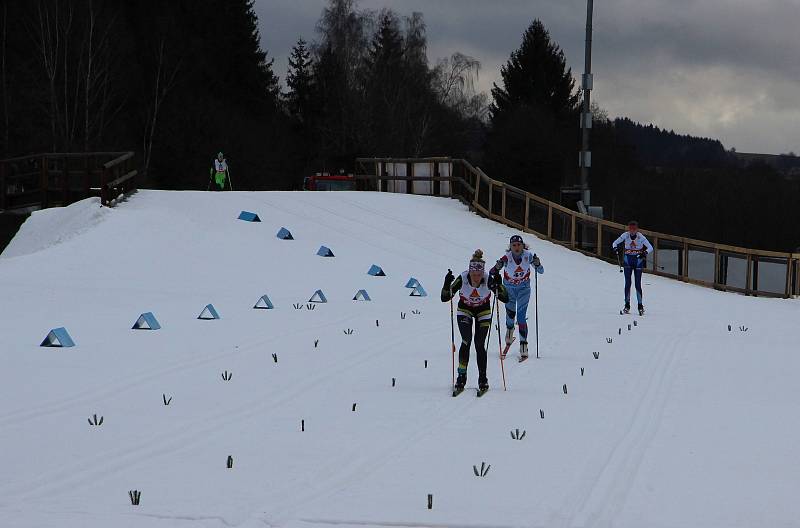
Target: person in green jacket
(474, 288)
(219, 172)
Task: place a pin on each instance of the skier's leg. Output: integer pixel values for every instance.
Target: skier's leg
(523, 298)
(465, 329)
(484, 320)
(511, 304)
(628, 271)
(638, 277)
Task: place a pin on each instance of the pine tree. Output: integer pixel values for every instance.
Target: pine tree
(536, 75)
(299, 80)
(532, 141)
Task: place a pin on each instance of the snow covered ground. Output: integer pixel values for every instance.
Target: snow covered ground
(679, 423)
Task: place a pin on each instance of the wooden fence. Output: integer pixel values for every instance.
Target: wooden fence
(719, 266)
(47, 180)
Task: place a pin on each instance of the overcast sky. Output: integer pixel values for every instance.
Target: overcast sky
(728, 69)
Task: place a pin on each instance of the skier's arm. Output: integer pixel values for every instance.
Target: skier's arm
(502, 293)
(646, 243)
(501, 263)
(615, 243)
(449, 292)
(537, 264)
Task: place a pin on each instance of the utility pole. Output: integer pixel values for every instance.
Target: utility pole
(585, 157)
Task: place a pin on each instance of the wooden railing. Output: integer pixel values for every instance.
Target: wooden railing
(719, 266)
(46, 180)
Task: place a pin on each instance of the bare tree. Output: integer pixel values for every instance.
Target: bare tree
(96, 95)
(47, 40)
(164, 81)
(5, 85)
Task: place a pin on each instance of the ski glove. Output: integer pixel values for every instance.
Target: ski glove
(536, 262)
(619, 249)
(448, 279)
(494, 281)
(499, 265)
(643, 255)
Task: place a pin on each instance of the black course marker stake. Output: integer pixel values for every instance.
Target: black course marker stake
(302, 425)
(354, 407)
(230, 462)
(430, 501)
(565, 388)
(541, 413)
(426, 363)
(393, 380)
(581, 371)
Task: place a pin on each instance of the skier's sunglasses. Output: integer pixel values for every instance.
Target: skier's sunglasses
(516, 244)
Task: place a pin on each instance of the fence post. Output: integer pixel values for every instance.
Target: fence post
(103, 191)
(748, 281)
(787, 290)
(503, 204)
(755, 276)
(685, 259)
(409, 178)
(549, 221)
(65, 174)
(43, 183)
(717, 274)
(655, 253)
(491, 196)
(477, 187)
(87, 177)
(527, 211)
(574, 219)
(600, 239)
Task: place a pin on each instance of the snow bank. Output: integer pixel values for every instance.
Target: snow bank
(678, 423)
(49, 227)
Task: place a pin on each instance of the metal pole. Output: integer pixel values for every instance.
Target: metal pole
(586, 116)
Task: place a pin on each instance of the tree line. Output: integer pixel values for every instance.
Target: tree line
(178, 81)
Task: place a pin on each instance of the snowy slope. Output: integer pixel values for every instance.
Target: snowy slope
(679, 422)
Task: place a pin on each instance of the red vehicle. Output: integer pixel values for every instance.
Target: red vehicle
(324, 181)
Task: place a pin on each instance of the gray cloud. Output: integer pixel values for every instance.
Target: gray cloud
(721, 68)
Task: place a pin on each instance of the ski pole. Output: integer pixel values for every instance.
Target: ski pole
(619, 261)
(536, 307)
(230, 181)
(500, 345)
(452, 342)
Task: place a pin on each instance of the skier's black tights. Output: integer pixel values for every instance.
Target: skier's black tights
(465, 323)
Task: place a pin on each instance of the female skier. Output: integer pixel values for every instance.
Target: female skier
(635, 247)
(474, 288)
(516, 265)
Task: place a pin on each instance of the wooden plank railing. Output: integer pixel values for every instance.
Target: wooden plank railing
(45, 180)
(720, 266)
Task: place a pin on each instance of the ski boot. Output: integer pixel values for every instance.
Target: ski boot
(523, 351)
(509, 336)
(483, 386)
(461, 381)
(627, 309)
(641, 309)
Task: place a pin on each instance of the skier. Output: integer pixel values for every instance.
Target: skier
(219, 172)
(516, 265)
(634, 246)
(474, 288)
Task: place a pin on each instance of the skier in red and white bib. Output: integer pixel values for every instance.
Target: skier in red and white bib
(474, 288)
(516, 265)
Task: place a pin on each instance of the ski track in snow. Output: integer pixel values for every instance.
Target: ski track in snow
(579, 467)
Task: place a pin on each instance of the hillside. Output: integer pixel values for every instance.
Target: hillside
(678, 423)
